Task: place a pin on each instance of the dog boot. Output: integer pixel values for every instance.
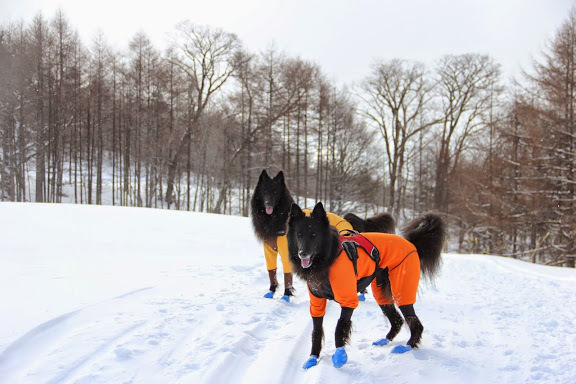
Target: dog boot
(288, 288)
(312, 361)
(339, 358)
(273, 284)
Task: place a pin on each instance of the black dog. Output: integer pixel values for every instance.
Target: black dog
(336, 266)
(383, 222)
(270, 206)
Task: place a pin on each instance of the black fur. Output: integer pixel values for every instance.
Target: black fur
(343, 327)
(311, 237)
(416, 330)
(427, 234)
(316, 239)
(317, 335)
(270, 192)
(396, 321)
(382, 222)
(273, 192)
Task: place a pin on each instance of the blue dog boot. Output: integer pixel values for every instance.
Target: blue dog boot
(381, 342)
(401, 349)
(361, 296)
(286, 298)
(269, 295)
(312, 361)
(339, 358)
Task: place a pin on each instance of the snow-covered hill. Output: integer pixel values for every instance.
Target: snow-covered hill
(129, 295)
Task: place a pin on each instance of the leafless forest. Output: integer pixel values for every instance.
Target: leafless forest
(192, 126)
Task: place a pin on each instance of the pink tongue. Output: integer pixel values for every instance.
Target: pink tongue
(269, 210)
(305, 262)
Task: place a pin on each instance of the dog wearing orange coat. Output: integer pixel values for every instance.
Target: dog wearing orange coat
(270, 205)
(336, 266)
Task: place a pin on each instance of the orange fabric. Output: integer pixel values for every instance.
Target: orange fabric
(396, 253)
(271, 254)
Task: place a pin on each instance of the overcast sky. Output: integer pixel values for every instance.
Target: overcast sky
(343, 36)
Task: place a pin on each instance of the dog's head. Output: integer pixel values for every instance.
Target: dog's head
(309, 238)
(270, 191)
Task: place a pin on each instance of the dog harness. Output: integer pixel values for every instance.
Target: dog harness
(350, 240)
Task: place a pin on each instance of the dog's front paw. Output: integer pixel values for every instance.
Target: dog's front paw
(312, 361)
(269, 295)
(339, 358)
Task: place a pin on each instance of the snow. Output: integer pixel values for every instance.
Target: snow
(100, 294)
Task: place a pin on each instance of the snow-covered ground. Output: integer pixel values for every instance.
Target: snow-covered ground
(130, 295)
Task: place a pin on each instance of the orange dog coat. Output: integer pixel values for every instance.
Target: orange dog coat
(396, 253)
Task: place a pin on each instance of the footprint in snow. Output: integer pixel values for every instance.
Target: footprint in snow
(123, 354)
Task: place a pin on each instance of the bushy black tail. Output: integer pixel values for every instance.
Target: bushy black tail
(382, 222)
(427, 233)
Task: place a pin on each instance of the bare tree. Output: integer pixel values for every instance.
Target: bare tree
(466, 85)
(16, 108)
(396, 96)
(39, 31)
(206, 56)
(548, 118)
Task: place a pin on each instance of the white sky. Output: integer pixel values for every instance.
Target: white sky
(343, 36)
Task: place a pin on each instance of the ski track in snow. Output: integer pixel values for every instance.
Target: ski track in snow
(487, 319)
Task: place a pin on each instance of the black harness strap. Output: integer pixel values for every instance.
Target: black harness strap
(350, 241)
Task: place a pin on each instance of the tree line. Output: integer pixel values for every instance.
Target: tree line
(192, 126)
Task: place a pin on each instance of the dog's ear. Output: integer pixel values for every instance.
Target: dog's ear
(264, 175)
(296, 212)
(319, 212)
(280, 177)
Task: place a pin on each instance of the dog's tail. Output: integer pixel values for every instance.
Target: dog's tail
(427, 233)
(382, 222)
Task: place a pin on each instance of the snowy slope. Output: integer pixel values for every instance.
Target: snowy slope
(126, 295)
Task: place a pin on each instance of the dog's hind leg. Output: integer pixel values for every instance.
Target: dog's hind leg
(288, 285)
(416, 327)
(395, 319)
(273, 283)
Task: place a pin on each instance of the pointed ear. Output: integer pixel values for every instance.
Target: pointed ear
(296, 211)
(280, 177)
(264, 175)
(319, 211)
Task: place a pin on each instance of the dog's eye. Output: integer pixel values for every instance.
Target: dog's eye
(312, 234)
